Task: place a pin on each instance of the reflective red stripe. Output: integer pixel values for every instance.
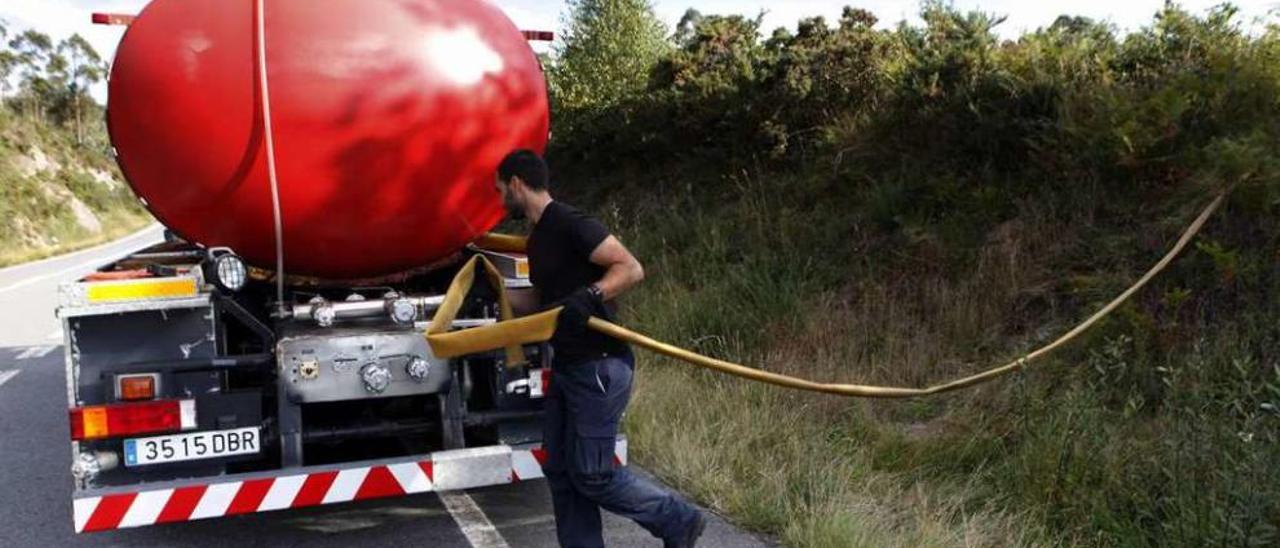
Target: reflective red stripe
(314, 489)
(112, 19)
(109, 512)
(250, 496)
(379, 483)
(539, 35)
(181, 504)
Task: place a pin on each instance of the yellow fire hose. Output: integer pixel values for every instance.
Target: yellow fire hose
(510, 333)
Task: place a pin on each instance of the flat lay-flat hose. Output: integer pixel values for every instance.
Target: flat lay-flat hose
(510, 332)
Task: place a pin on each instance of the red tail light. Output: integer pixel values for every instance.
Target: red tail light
(112, 421)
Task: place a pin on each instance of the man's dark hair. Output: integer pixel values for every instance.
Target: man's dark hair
(528, 166)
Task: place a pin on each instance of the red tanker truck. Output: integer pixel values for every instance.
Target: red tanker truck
(324, 169)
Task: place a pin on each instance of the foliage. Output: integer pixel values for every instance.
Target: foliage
(1070, 98)
(53, 150)
(54, 79)
(911, 204)
(8, 59)
(83, 67)
(604, 54)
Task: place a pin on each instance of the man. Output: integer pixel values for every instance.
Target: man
(575, 263)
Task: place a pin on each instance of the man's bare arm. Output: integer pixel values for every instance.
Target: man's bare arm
(622, 270)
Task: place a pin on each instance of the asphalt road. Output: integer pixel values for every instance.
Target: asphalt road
(29, 292)
(35, 497)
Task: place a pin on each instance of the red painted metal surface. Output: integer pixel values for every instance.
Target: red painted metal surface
(389, 116)
(112, 19)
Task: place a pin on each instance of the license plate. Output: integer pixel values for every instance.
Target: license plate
(193, 446)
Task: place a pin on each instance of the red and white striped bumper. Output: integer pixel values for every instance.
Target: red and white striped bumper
(263, 492)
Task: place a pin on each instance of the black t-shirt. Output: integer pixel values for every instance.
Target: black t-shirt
(560, 247)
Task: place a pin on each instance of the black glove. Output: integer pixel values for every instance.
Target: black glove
(579, 307)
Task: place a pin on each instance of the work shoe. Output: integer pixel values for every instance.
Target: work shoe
(690, 537)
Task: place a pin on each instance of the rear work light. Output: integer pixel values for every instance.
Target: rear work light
(136, 387)
(113, 421)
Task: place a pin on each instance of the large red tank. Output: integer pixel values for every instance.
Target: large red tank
(389, 117)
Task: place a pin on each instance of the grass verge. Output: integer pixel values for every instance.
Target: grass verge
(1159, 429)
(70, 239)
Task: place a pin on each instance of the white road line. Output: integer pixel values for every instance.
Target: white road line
(479, 531)
(144, 232)
(6, 375)
(82, 266)
(35, 352)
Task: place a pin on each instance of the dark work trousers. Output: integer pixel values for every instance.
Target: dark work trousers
(583, 410)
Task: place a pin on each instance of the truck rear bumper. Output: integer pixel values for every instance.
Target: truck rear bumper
(204, 498)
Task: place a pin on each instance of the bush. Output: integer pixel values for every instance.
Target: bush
(905, 206)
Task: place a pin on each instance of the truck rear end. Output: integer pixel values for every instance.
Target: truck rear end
(192, 395)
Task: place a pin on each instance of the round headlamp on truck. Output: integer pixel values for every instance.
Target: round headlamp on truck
(230, 272)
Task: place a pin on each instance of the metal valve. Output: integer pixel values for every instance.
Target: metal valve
(402, 310)
(376, 377)
(418, 369)
(323, 312)
(90, 464)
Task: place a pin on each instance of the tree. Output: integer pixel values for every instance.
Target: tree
(7, 60)
(819, 76)
(716, 53)
(608, 49)
(707, 86)
(32, 51)
(686, 26)
(84, 67)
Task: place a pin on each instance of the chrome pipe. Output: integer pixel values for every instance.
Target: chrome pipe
(364, 309)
